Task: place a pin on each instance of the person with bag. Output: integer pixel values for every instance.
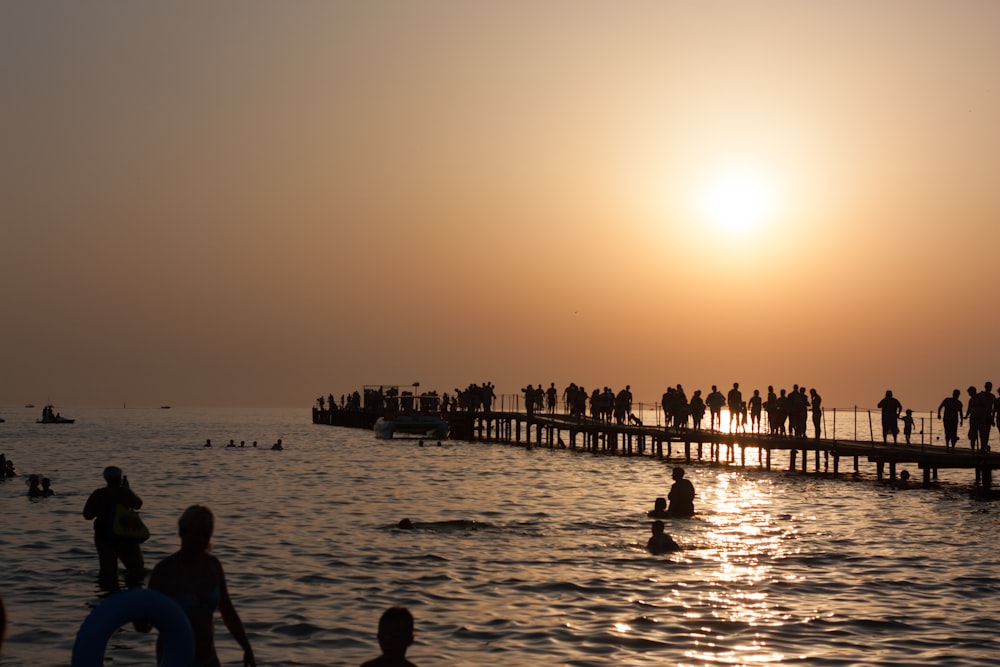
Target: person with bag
(118, 530)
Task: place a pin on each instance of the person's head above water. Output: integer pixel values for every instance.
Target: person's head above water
(395, 631)
(660, 504)
(405, 524)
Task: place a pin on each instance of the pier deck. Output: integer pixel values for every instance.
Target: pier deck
(718, 447)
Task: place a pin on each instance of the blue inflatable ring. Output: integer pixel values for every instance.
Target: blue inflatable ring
(133, 605)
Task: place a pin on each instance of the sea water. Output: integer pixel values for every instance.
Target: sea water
(520, 557)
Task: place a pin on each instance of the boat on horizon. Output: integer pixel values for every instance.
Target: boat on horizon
(50, 416)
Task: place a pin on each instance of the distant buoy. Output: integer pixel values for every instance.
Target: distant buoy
(132, 605)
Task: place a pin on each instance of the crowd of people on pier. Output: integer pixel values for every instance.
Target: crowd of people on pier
(777, 412)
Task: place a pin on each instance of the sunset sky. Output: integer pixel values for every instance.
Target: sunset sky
(253, 203)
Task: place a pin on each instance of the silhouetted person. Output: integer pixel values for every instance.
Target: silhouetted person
(908, 425)
(659, 510)
(697, 408)
(100, 507)
(34, 486)
(985, 406)
(47, 487)
(891, 409)
(972, 416)
(755, 404)
(194, 579)
(277, 446)
(816, 404)
(715, 401)
(681, 495)
(208, 443)
(734, 400)
(904, 480)
(952, 408)
(395, 635)
(660, 542)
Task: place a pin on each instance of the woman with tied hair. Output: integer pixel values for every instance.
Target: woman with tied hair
(194, 579)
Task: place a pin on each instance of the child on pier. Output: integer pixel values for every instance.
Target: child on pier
(907, 425)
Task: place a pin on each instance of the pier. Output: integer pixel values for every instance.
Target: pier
(688, 445)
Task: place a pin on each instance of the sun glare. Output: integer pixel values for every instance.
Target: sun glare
(737, 202)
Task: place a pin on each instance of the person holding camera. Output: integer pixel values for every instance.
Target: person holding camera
(101, 507)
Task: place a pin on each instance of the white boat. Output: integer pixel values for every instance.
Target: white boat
(405, 412)
(427, 426)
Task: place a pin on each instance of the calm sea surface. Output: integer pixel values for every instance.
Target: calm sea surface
(524, 558)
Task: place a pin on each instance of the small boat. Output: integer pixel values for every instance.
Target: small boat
(427, 426)
(164, 407)
(50, 416)
(29, 405)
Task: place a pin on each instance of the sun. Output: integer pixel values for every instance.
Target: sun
(737, 202)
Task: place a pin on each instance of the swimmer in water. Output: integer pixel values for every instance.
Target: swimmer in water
(395, 635)
(659, 510)
(405, 524)
(681, 495)
(660, 542)
(34, 490)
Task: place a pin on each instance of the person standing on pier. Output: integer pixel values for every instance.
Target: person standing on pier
(891, 409)
(734, 400)
(755, 404)
(982, 410)
(715, 401)
(952, 408)
(697, 409)
(972, 416)
(816, 403)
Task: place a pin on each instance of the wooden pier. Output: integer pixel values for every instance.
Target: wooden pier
(590, 435)
(706, 446)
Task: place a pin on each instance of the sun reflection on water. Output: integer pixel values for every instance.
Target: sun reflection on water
(741, 543)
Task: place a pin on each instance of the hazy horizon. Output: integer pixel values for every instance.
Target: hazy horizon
(252, 204)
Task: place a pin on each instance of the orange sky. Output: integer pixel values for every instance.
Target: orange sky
(252, 203)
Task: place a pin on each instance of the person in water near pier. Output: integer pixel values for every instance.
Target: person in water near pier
(34, 488)
(659, 510)
(660, 542)
(47, 487)
(681, 495)
(952, 408)
(891, 409)
(395, 635)
(194, 578)
(100, 507)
